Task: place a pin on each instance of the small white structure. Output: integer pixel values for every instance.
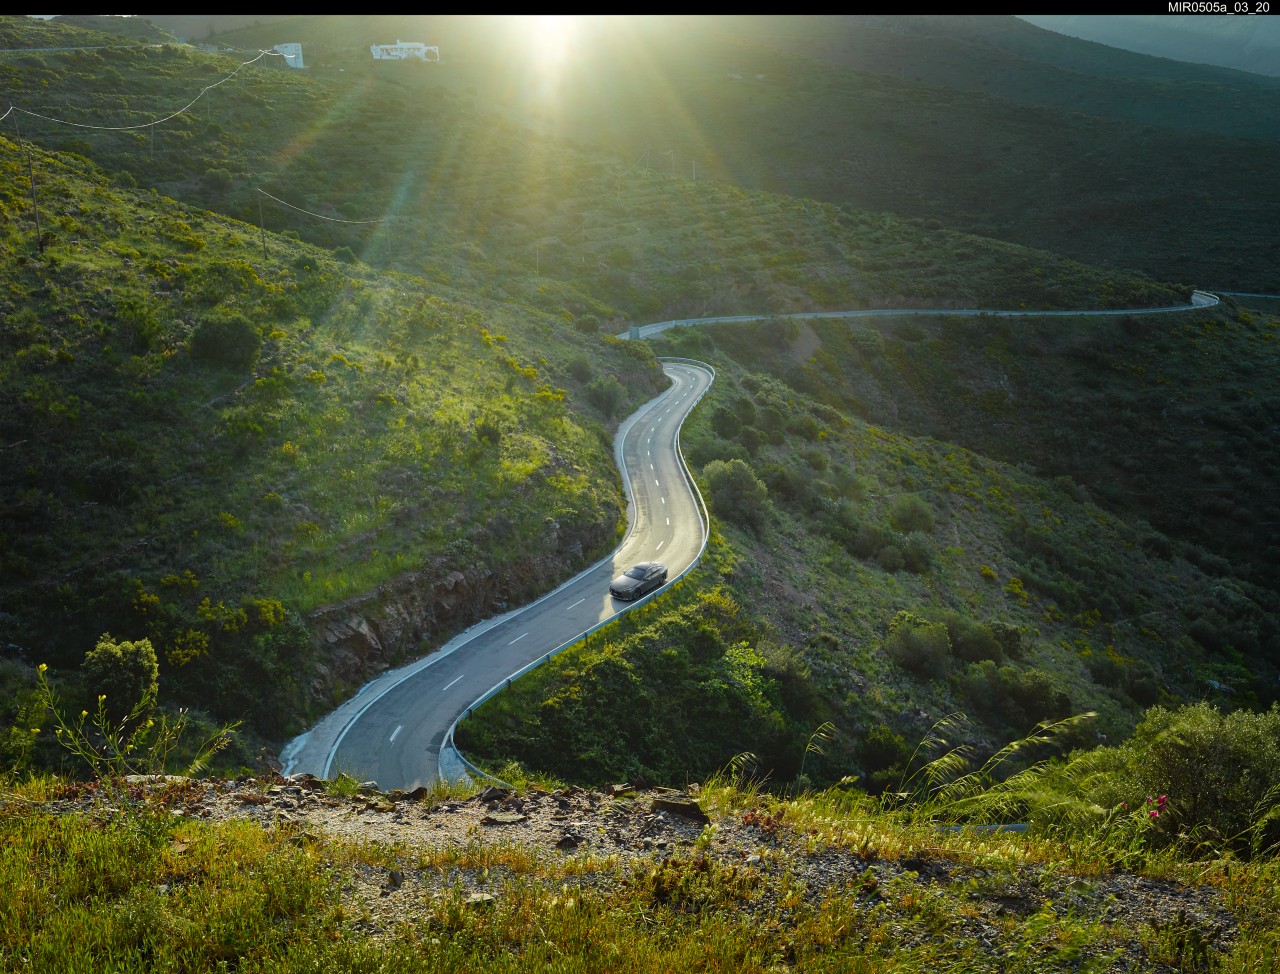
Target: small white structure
(401, 51)
(292, 54)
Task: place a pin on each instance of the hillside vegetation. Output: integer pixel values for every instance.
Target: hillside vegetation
(204, 444)
(986, 124)
(252, 435)
(872, 572)
(323, 369)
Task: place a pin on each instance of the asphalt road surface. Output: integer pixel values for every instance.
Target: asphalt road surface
(392, 732)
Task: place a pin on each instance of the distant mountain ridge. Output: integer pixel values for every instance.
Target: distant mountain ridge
(1244, 43)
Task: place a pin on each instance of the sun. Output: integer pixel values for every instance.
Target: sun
(552, 36)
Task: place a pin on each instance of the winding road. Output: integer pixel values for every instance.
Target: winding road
(398, 730)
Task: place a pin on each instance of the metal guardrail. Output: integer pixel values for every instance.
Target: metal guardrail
(1199, 299)
(704, 516)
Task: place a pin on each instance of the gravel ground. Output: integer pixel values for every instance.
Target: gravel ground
(585, 840)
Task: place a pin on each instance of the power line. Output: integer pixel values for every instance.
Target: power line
(318, 216)
(143, 125)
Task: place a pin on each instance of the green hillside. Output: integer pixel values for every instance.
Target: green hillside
(985, 123)
(834, 458)
(265, 457)
(1040, 155)
(981, 668)
(204, 444)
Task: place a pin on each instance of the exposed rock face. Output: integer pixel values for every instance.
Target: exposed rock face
(416, 613)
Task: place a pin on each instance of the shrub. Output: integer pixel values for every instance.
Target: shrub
(607, 395)
(804, 425)
(726, 423)
(124, 672)
(736, 493)
(971, 640)
(751, 438)
(817, 459)
(785, 483)
(587, 324)
(917, 553)
(580, 367)
(910, 512)
(1220, 771)
(870, 539)
(229, 342)
(891, 558)
(217, 180)
(918, 645)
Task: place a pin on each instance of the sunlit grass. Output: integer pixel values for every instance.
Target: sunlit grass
(191, 895)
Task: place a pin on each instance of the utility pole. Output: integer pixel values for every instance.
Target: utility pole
(31, 175)
(262, 229)
(35, 203)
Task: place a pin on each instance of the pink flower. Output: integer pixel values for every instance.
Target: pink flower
(1155, 813)
(1124, 804)
(1162, 800)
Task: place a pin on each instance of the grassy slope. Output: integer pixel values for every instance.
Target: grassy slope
(696, 247)
(346, 449)
(460, 205)
(1098, 188)
(1114, 615)
(159, 890)
(129, 458)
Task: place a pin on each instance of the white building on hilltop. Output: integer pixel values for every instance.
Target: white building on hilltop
(292, 54)
(400, 51)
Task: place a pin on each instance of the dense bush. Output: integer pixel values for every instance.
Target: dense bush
(579, 367)
(918, 645)
(911, 512)
(229, 341)
(1221, 772)
(1005, 696)
(971, 640)
(124, 672)
(736, 493)
(607, 395)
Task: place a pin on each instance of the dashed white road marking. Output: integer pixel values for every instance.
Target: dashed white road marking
(399, 728)
(447, 685)
(517, 639)
(578, 603)
(660, 544)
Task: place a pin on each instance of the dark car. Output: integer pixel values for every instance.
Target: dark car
(637, 581)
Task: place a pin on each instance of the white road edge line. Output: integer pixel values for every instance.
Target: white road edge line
(473, 632)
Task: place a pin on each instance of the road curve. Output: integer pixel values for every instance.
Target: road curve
(393, 731)
(397, 730)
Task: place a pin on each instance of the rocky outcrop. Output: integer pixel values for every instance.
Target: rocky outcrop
(415, 614)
